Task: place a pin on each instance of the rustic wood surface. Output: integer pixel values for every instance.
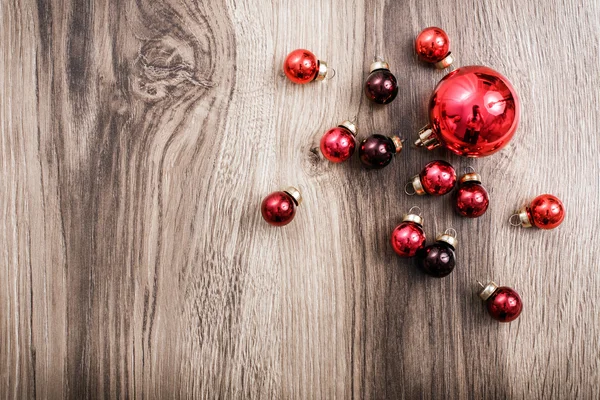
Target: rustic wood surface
(139, 137)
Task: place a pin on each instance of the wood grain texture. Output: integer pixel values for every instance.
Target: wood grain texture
(139, 137)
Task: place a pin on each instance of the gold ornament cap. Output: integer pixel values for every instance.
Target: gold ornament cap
(379, 65)
(448, 237)
(397, 143)
(417, 185)
(413, 218)
(470, 177)
(524, 218)
(351, 126)
(446, 62)
(427, 138)
(488, 290)
(295, 193)
(322, 71)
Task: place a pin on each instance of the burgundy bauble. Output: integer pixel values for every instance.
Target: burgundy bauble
(377, 151)
(471, 200)
(438, 259)
(503, 303)
(408, 237)
(545, 212)
(437, 178)
(338, 144)
(433, 46)
(301, 66)
(474, 112)
(381, 85)
(279, 208)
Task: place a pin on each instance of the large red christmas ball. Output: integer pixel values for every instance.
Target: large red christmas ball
(279, 208)
(438, 178)
(546, 212)
(474, 111)
(338, 144)
(408, 238)
(504, 304)
(301, 66)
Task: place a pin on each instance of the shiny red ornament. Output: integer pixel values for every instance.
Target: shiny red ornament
(545, 212)
(301, 66)
(436, 179)
(377, 151)
(408, 237)
(473, 111)
(338, 144)
(279, 208)
(503, 303)
(433, 46)
(381, 86)
(471, 200)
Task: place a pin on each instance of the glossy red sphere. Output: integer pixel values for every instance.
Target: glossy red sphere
(504, 304)
(471, 200)
(301, 66)
(338, 144)
(438, 178)
(432, 44)
(407, 239)
(546, 212)
(474, 111)
(381, 86)
(278, 208)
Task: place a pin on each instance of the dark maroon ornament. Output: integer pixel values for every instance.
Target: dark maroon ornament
(471, 200)
(503, 303)
(436, 179)
(408, 237)
(438, 259)
(381, 85)
(279, 208)
(377, 151)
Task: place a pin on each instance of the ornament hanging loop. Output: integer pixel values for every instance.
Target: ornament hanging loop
(330, 75)
(409, 189)
(469, 170)
(515, 220)
(451, 232)
(417, 208)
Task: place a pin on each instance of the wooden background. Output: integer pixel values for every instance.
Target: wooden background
(138, 138)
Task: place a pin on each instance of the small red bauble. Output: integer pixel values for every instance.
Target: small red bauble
(338, 144)
(408, 237)
(503, 303)
(433, 46)
(437, 178)
(471, 200)
(381, 85)
(279, 208)
(301, 66)
(473, 111)
(377, 151)
(545, 212)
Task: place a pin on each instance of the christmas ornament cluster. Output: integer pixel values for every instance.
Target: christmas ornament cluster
(474, 111)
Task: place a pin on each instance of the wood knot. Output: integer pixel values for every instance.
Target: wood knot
(165, 67)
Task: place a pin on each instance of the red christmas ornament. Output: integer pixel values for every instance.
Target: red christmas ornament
(301, 66)
(338, 144)
(433, 46)
(473, 111)
(408, 237)
(437, 178)
(471, 200)
(503, 303)
(377, 151)
(381, 85)
(279, 208)
(545, 212)
(438, 259)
